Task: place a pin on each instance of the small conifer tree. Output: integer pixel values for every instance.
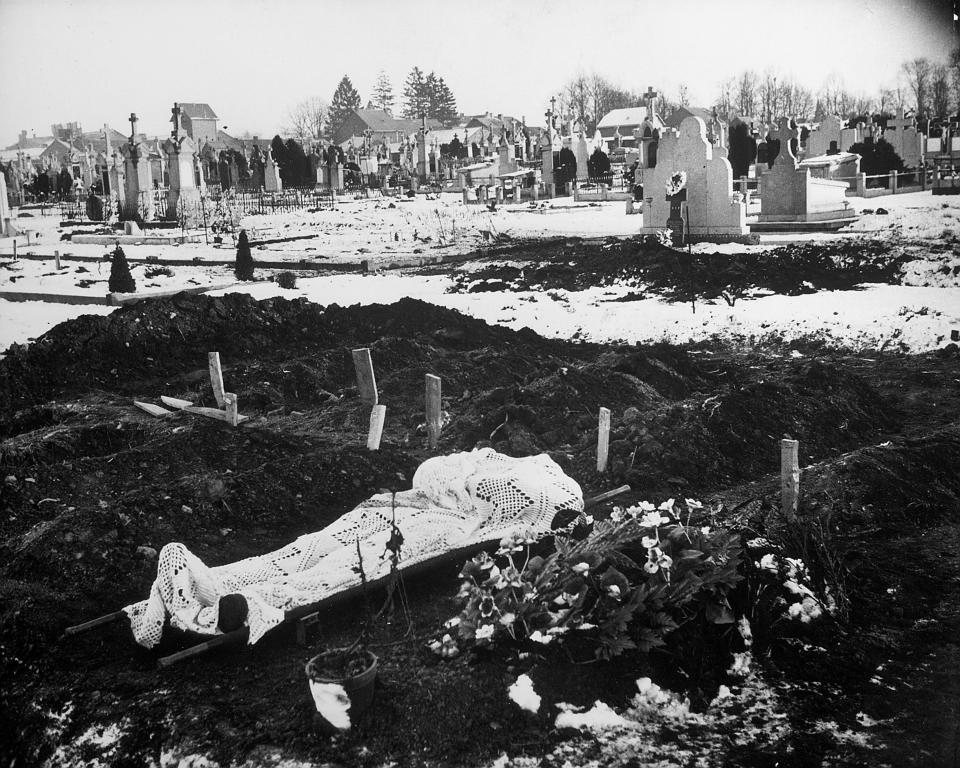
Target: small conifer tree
(121, 281)
(243, 267)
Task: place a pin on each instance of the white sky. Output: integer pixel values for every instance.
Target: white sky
(95, 61)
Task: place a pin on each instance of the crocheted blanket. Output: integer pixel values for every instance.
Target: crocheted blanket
(455, 501)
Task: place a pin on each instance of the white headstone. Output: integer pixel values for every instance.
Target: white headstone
(271, 176)
(582, 152)
(4, 207)
(819, 141)
(711, 207)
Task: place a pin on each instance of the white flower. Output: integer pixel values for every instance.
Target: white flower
(768, 563)
(614, 591)
(581, 568)
(651, 566)
(664, 561)
(450, 623)
(653, 520)
(538, 637)
(693, 504)
(485, 632)
(616, 515)
(666, 506)
(746, 631)
(649, 542)
(705, 530)
(507, 619)
(741, 664)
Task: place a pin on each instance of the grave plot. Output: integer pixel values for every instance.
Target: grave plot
(93, 487)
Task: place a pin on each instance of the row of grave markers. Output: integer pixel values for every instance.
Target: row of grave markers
(367, 384)
(789, 465)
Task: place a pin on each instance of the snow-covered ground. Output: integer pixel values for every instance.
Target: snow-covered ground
(919, 315)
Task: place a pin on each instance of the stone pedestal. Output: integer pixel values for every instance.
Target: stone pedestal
(6, 226)
(423, 167)
(333, 176)
(183, 196)
(137, 196)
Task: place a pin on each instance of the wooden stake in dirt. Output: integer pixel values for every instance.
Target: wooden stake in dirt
(14, 248)
(603, 439)
(56, 258)
(789, 477)
(216, 376)
(366, 381)
(377, 416)
(231, 407)
(433, 410)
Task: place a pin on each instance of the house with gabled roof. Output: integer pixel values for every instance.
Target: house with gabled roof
(384, 128)
(199, 121)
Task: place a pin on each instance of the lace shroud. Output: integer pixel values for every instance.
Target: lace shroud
(455, 501)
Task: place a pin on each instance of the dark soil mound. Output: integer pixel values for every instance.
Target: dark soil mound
(678, 276)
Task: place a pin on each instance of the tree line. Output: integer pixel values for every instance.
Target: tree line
(424, 94)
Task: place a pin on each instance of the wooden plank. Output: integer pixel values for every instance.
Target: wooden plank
(433, 409)
(153, 410)
(377, 416)
(56, 256)
(603, 439)
(789, 477)
(94, 623)
(216, 376)
(214, 413)
(366, 380)
(175, 402)
(601, 497)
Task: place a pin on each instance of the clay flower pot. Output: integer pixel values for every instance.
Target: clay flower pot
(341, 682)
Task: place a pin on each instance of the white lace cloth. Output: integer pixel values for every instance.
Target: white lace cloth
(456, 500)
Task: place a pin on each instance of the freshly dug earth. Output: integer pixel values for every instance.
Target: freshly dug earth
(792, 270)
(94, 487)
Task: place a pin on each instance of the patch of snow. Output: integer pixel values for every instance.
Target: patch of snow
(599, 717)
(523, 694)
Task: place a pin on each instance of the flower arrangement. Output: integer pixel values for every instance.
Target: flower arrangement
(676, 183)
(630, 582)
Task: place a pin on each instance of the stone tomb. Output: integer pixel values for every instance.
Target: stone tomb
(183, 195)
(793, 199)
(826, 138)
(712, 211)
(138, 178)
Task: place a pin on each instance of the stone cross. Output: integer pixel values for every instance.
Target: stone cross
(133, 127)
(899, 122)
(785, 133)
(648, 97)
(175, 119)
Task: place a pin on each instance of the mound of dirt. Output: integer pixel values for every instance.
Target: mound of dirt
(678, 276)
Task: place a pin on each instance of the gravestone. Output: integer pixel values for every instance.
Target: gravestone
(4, 208)
(711, 210)
(271, 175)
(505, 160)
(423, 167)
(826, 139)
(183, 196)
(138, 178)
(906, 141)
(582, 152)
(793, 199)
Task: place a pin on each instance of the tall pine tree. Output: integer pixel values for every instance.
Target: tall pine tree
(445, 105)
(345, 100)
(415, 100)
(383, 93)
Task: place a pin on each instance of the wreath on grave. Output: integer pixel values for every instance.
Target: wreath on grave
(676, 183)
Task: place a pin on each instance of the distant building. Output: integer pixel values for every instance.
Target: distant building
(383, 127)
(200, 122)
(623, 122)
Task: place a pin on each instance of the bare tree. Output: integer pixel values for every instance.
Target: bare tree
(886, 101)
(863, 104)
(745, 95)
(918, 72)
(683, 95)
(577, 93)
(724, 103)
(940, 90)
(954, 65)
(306, 119)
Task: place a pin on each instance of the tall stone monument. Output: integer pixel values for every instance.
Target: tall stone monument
(5, 219)
(183, 195)
(711, 211)
(138, 179)
(423, 163)
(271, 174)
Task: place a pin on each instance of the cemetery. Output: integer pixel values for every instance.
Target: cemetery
(411, 437)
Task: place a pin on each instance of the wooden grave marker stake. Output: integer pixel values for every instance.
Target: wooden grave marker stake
(789, 477)
(603, 439)
(216, 376)
(377, 416)
(232, 409)
(433, 410)
(56, 258)
(366, 380)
